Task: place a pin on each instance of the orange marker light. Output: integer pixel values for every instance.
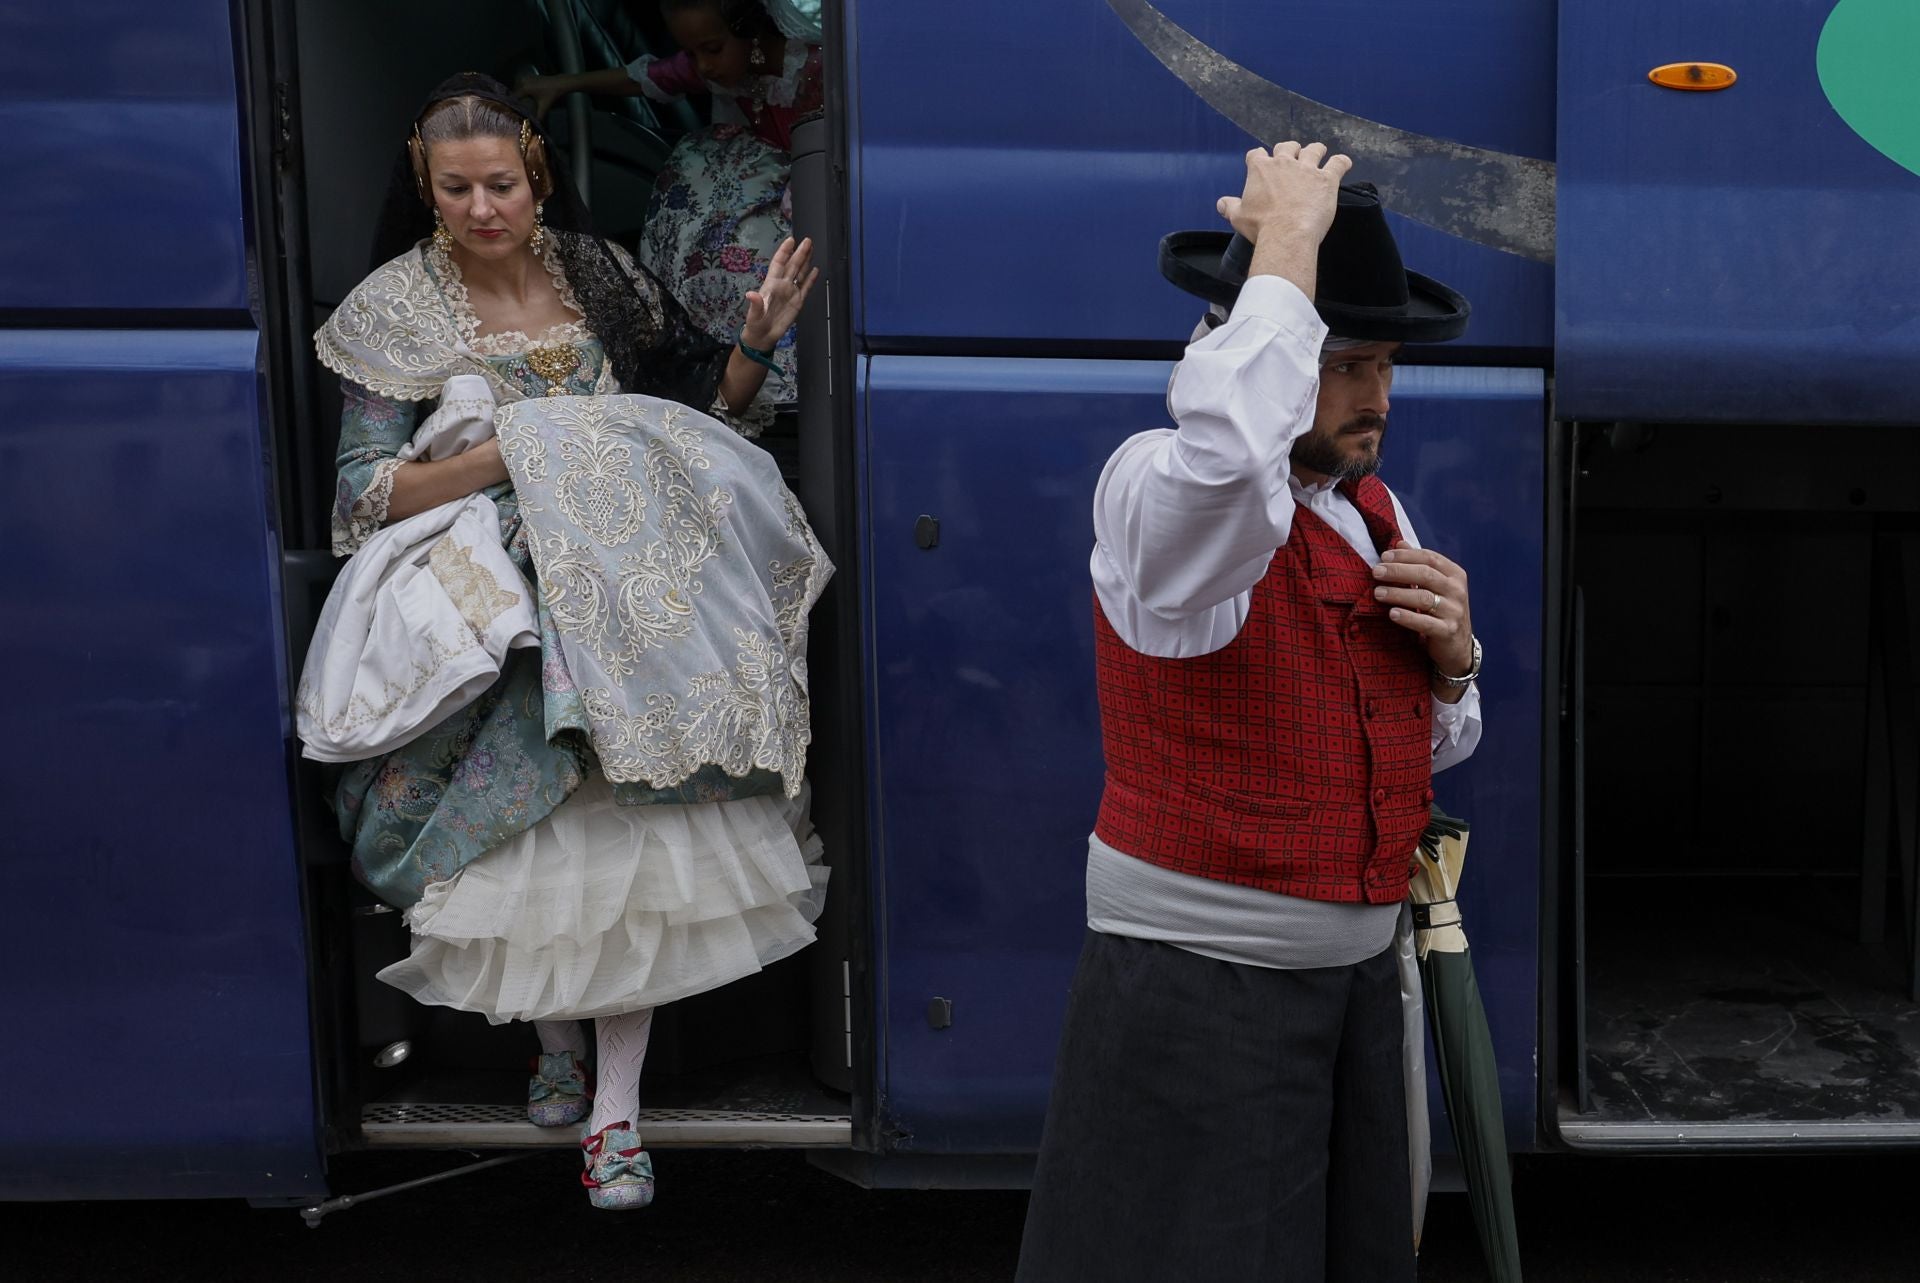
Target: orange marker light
(1693, 75)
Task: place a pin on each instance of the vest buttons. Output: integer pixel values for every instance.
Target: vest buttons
(1379, 797)
(1429, 795)
(1353, 628)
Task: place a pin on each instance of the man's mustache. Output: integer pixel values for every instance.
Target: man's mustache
(1364, 423)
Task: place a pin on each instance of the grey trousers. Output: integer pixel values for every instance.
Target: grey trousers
(1219, 1123)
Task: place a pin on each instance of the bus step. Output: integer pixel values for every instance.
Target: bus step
(767, 1102)
(442, 1125)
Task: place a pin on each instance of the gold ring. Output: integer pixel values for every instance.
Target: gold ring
(1433, 601)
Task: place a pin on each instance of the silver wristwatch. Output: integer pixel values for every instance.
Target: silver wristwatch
(1466, 679)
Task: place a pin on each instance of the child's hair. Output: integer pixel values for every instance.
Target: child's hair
(744, 18)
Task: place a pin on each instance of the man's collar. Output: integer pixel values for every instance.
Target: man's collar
(1310, 489)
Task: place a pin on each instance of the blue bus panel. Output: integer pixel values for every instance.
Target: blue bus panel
(120, 135)
(151, 910)
(987, 752)
(1018, 163)
(1741, 255)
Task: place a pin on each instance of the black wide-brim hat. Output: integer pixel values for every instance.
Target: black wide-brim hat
(1362, 291)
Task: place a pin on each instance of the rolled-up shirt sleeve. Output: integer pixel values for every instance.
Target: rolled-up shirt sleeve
(1186, 520)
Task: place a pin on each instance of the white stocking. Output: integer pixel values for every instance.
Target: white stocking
(562, 1035)
(623, 1049)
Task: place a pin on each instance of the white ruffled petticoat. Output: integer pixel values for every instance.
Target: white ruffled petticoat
(602, 909)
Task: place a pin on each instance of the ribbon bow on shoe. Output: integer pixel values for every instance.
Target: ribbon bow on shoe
(619, 1173)
(558, 1093)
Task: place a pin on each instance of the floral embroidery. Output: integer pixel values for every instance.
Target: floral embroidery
(475, 593)
(394, 335)
(596, 490)
(649, 543)
(410, 326)
(430, 655)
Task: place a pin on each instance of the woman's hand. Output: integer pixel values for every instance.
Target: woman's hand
(775, 306)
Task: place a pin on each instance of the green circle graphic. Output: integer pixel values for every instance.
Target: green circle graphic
(1866, 64)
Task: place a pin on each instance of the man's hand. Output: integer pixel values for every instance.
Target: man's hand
(1286, 207)
(1427, 596)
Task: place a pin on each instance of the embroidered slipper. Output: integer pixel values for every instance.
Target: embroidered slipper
(619, 1173)
(558, 1094)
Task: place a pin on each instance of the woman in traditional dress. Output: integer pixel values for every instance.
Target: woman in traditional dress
(720, 207)
(536, 889)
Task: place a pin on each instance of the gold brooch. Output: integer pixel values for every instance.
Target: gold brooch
(554, 363)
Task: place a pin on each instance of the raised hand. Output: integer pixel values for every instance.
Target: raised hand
(775, 305)
(1291, 190)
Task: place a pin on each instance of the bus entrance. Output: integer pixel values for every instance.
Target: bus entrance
(775, 1059)
(1746, 781)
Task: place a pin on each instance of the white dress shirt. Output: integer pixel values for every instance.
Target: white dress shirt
(1186, 522)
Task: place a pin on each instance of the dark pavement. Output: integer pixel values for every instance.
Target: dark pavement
(773, 1219)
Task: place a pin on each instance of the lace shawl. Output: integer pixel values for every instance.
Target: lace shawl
(679, 571)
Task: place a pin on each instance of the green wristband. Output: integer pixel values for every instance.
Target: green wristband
(755, 354)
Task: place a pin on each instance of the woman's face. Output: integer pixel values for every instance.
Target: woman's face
(480, 188)
(718, 54)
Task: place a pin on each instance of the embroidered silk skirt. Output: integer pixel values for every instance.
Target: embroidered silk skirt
(602, 909)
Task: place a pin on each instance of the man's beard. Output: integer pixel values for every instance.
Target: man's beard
(1320, 452)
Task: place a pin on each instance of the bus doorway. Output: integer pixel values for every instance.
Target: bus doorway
(777, 1059)
(1744, 786)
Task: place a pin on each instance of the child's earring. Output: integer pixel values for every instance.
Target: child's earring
(758, 58)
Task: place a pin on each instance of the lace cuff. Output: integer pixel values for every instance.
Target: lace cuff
(749, 423)
(368, 512)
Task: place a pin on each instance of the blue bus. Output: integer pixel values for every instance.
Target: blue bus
(1675, 451)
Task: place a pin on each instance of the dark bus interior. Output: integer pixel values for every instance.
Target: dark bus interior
(1743, 911)
(769, 1060)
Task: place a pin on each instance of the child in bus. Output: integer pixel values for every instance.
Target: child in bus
(720, 207)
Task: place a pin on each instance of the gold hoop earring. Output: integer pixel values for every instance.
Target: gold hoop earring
(442, 238)
(538, 241)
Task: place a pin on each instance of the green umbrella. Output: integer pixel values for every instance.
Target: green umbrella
(1463, 1046)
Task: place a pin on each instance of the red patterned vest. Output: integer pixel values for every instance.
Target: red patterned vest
(1296, 758)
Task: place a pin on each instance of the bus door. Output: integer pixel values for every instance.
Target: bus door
(775, 1059)
(151, 923)
(1737, 487)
